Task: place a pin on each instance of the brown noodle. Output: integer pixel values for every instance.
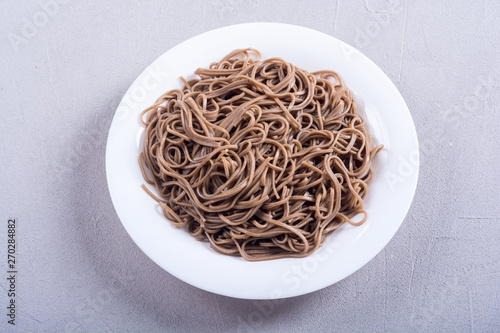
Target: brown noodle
(262, 159)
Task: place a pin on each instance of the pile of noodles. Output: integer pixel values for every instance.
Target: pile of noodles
(261, 158)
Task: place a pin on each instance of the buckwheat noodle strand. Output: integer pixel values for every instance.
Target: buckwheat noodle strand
(262, 159)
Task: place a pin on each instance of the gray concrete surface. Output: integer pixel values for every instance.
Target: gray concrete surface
(65, 65)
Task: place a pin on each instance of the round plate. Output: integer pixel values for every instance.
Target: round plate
(348, 248)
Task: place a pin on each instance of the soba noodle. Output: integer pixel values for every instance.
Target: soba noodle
(261, 158)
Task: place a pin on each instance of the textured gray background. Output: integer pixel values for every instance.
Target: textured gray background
(60, 84)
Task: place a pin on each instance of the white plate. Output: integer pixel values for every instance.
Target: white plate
(347, 249)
